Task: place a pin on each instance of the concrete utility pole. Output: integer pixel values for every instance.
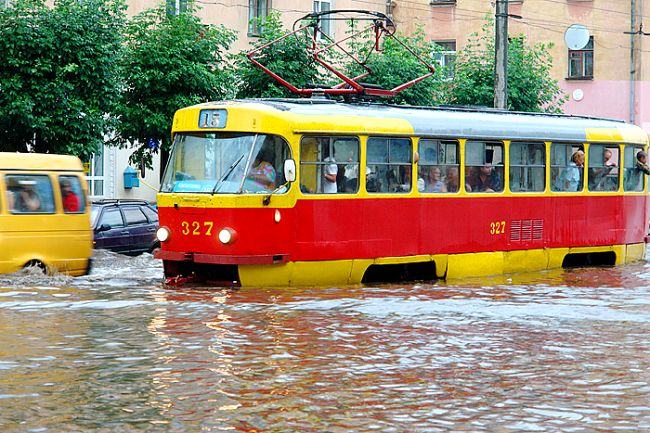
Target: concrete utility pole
(633, 36)
(501, 55)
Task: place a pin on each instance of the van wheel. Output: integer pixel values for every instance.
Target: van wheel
(36, 263)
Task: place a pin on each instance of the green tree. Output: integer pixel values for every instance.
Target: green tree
(395, 65)
(58, 75)
(287, 58)
(169, 62)
(530, 85)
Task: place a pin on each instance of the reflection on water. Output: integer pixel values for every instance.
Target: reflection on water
(557, 351)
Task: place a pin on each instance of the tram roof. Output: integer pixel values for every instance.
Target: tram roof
(465, 122)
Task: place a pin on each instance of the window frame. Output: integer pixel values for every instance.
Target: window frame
(326, 22)
(446, 58)
(422, 162)
(137, 208)
(591, 173)
(526, 167)
(257, 15)
(574, 148)
(110, 209)
(321, 163)
(635, 148)
(82, 196)
(581, 56)
(493, 144)
(23, 175)
(389, 163)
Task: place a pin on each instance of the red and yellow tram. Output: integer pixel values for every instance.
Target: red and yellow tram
(318, 192)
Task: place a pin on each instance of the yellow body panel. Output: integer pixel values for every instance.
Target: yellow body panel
(60, 241)
(449, 266)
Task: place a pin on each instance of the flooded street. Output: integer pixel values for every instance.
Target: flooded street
(556, 351)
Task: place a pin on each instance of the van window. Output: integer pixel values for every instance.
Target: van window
(527, 167)
(72, 195)
(29, 194)
(603, 167)
(483, 166)
(633, 178)
(567, 161)
(134, 215)
(329, 165)
(438, 168)
(389, 165)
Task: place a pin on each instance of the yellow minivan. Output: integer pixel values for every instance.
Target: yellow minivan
(44, 214)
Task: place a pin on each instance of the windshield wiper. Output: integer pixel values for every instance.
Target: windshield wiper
(228, 172)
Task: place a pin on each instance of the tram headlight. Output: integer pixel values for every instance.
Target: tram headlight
(227, 236)
(163, 234)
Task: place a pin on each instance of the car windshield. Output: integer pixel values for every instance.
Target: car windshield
(225, 163)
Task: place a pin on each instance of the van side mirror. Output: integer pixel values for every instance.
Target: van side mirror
(290, 170)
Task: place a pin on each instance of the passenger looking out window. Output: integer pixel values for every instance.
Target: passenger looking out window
(603, 167)
(527, 167)
(636, 165)
(438, 166)
(329, 165)
(483, 166)
(29, 194)
(72, 196)
(567, 162)
(389, 164)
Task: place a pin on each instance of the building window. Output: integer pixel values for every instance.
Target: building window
(445, 56)
(176, 7)
(442, 2)
(258, 10)
(95, 174)
(581, 62)
(325, 22)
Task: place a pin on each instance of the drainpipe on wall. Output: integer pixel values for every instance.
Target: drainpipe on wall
(632, 60)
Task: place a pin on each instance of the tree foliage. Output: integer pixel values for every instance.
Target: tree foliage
(530, 85)
(395, 65)
(287, 58)
(58, 76)
(169, 62)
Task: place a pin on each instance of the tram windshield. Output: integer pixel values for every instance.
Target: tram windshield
(225, 163)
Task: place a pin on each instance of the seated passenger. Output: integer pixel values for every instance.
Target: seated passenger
(27, 199)
(433, 182)
(484, 179)
(68, 196)
(453, 180)
(261, 176)
(571, 177)
(598, 177)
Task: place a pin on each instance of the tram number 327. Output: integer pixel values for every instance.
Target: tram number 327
(497, 228)
(196, 228)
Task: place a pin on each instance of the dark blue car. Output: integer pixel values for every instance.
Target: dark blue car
(125, 226)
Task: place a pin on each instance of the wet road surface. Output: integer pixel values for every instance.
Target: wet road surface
(556, 351)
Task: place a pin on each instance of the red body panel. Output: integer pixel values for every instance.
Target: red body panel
(370, 228)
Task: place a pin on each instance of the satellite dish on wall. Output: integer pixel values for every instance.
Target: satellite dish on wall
(576, 37)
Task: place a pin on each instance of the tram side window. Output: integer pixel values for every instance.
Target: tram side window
(438, 169)
(567, 163)
(483, 166)
(633, 176)
(29, 194)
(603, 167)
(389, 165)
(527, 167)
(329, 165)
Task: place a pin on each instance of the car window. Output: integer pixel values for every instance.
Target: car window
(150, 213)
(134, 216)
(112, 217)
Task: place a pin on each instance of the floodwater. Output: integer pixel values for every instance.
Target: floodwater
(557, 351)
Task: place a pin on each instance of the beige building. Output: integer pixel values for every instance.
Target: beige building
(597, 77)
